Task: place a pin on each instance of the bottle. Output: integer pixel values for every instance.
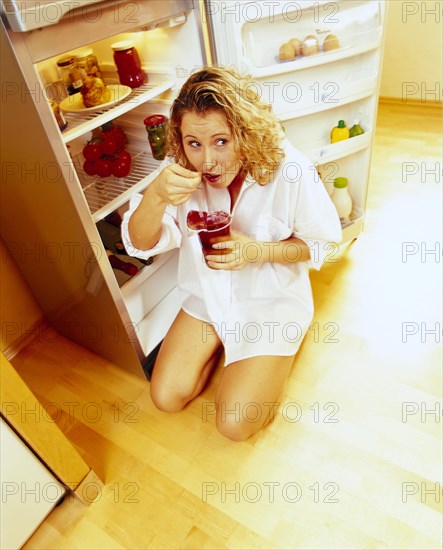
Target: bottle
(356, 129)
(342, 199)
(128, 64)
(340, 132)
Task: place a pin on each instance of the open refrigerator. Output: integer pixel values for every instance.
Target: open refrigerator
(54, 215)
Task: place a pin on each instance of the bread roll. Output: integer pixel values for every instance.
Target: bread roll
(310, 45)
(286, 52)
(296, 44)
(94, 92)
(330, 43)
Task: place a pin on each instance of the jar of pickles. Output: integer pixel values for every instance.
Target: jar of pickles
(128, 64)
(87, 63)
(70, 74)
(156, 126)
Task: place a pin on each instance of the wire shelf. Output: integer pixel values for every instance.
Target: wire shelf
(80, 123)
(104, 195)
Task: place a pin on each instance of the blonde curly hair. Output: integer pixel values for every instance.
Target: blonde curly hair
(257, 132)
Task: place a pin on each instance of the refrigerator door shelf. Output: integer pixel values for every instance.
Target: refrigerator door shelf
(81, 123)
(276, 66)
(346, 92)
(352, 229)
(334, 151)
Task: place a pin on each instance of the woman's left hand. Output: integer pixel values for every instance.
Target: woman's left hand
(242, 251)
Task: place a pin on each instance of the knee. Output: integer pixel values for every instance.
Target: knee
(236, 430)
(167, 401)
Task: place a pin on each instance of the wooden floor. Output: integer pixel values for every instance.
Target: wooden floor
(352, 460)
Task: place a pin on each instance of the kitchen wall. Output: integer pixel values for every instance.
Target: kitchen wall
(19, 311)
(413, 51)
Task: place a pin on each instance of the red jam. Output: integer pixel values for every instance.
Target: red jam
(212, 227)
(128, 64)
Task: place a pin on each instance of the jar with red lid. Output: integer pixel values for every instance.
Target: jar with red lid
(156, 126)
(128, 64)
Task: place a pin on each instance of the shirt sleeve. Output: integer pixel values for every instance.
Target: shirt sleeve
(170, 233)
(316, 221)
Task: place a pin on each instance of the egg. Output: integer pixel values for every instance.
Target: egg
(286, 52)
(310, 45)
(330, 43)
(296, 44)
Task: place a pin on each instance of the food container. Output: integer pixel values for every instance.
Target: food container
(156, 126)
(70, 74)
(87, 63)
(59, 116)
(128, 64)
(212, 227)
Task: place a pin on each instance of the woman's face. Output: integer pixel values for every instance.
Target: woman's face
(209, 146)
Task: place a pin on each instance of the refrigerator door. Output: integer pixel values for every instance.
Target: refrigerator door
(315, 62)
(249, 35)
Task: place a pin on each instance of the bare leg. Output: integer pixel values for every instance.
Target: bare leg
(184, 363)
(247, 395)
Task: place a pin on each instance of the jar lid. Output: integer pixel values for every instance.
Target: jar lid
(341, 183)
(154, 120)
(85, 52)
(67, 60)
(122, 45)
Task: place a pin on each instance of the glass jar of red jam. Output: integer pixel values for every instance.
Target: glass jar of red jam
(128, 64)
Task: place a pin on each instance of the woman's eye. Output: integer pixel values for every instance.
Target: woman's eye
(221, 142)
(193, 144)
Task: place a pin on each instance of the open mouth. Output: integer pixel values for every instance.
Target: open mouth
(211, 178)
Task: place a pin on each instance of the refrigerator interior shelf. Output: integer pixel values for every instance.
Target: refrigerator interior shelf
(80, 123)
(107, 194)
(327, 153)
(280, 67)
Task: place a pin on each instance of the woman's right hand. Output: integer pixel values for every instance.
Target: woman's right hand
(175, 184)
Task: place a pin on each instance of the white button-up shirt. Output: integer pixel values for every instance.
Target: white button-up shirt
(264, 308)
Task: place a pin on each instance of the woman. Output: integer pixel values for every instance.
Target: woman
(253, 298)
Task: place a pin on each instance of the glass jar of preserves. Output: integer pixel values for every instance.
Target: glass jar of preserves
(87, 63)
(156, 126)
(128, 64)
(69, 73)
